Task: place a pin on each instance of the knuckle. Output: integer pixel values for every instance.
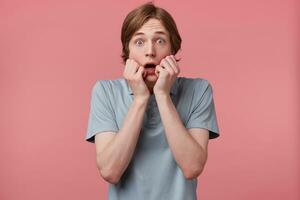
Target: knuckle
(134, 62)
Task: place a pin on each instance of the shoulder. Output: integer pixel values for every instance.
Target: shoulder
(194, 85)
(109, 85)
(115, 83)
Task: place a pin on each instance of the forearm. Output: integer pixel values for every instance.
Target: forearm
(188, 154)
(118, 153)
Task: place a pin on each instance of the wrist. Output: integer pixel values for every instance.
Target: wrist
(159, 92)
(161, 95)
(141, 99)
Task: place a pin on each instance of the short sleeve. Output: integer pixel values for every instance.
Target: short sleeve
(101, 115)
(203, 114)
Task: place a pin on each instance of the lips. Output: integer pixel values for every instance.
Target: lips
(149, 69)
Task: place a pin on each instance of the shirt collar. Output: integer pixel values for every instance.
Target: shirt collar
(174, 88)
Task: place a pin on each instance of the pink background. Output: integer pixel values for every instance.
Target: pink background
(52, 52)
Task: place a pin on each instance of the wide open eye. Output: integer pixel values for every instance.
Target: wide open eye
(161, 41)
(139, 42)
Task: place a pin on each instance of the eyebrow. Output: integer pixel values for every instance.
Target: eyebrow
(156, 32)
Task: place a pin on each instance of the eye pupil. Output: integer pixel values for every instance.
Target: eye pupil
(160, 41)
(139, 42)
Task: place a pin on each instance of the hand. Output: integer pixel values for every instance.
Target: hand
(133, 73)
(167, 71)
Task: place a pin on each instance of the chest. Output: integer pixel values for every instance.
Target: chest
(152, 134)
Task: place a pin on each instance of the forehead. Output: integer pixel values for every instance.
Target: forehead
(152, 27)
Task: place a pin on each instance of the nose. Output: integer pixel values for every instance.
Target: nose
(150, 51)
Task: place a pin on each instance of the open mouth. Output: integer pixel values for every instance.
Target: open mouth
(150, 65)
(149, 69)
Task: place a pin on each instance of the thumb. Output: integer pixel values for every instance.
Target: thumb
(140, 71)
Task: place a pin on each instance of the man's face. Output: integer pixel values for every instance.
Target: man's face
(150, 44)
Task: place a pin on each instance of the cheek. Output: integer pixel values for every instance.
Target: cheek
(164, 54)
(165, 51)
(136, 55)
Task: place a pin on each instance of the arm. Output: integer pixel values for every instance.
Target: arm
(188, 153)
(114, 157)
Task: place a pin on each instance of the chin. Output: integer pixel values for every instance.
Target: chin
(151, 78)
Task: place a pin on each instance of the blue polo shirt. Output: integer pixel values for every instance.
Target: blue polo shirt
(152, 173)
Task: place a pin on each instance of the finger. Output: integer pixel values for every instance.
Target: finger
(128, 69)
(140, 71)
(132, 68)
(176, 63)
(159, 69)
(125, 72)
(173, 63)
(136, 64)
(168, 66)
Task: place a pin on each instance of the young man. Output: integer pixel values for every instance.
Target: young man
(151, 128)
